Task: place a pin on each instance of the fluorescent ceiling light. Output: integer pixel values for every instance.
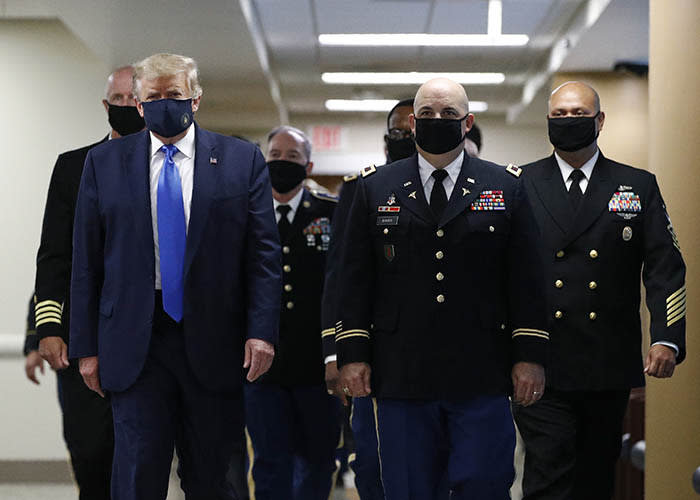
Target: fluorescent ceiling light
(384, 105)
(412, 78)
(421, 40)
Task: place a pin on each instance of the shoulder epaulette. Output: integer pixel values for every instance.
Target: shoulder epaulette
(350, 178)
(324, 196)
(513, 170)
(367, 171)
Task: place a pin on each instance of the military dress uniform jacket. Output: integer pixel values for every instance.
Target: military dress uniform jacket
(53, 263)
(441, 309)
(593, 261)
(298, 354)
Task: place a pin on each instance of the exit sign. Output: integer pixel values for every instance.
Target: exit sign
(327, 137)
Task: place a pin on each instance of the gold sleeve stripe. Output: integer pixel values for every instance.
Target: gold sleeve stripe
(671, 309)
(677, 316)
(531, 334)
(46, 309)
(680, 291)
(530, 330)
(327, 332)
(49, 302)
(48, 320)
(48, 314)
(347, 336)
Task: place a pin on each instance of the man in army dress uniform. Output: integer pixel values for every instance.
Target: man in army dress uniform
(441, 306)
(602, 223)
(294, 424)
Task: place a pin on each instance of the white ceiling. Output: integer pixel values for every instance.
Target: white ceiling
(237, 87)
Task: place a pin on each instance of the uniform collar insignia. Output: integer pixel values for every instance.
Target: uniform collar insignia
(412, 195)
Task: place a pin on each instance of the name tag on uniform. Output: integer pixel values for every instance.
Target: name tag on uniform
(625, 201)
(489, 200)
(388, 220)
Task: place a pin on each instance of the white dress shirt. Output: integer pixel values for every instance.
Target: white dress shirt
(425, 170)
(586, 168)
(184, 163)
(293, 205)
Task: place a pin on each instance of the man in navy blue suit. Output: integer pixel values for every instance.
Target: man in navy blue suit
(176, 286)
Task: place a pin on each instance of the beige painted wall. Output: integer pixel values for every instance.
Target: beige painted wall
(673, 406)
(52, 87)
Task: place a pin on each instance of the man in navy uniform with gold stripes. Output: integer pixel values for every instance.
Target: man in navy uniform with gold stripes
(293, 423)
(603, 224)
(442, 311)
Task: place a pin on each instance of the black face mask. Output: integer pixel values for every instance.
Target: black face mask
(125, 119)
(285, 175)
(439, 135)
(398, 149)
(574, 133)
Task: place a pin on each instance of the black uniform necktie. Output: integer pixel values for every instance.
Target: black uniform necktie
(283, 225)
(438, 197)
(575, 193)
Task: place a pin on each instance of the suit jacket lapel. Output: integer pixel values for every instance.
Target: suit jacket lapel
(203, 189)
(595, 199)
(551, 190)
(466, 189)
(410, 190)
(136, 164)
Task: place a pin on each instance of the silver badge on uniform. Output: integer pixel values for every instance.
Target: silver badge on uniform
(627, 233)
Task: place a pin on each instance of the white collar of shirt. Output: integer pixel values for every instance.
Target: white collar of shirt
(185, 145)
(293, 204)
(586, 168)
(425, 170)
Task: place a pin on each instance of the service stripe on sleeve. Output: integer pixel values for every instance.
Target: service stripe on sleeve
(530, 332)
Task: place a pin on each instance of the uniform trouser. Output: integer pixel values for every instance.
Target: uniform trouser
(365, 459)
(472, 440)
(237, 469)
(294, 433)
(572, 442)
(168, 408)
(88, 432)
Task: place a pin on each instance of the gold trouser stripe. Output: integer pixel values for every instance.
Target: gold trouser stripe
(528, 334)
(48, 320)
(334, 476)
(352, 457)
(327, 332)
(251, 463)
(347, 336)
(676, 317)
(675, 294)
(675, 307)
(47, 314)
(49, 302)
(379, 446)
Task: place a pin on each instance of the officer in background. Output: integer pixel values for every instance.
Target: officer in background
(87, 418)
(441, 308)
(293, 423)
(472, 143)
(602, 223)
(364, 459)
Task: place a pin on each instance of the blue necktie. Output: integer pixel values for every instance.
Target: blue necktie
(171, 234)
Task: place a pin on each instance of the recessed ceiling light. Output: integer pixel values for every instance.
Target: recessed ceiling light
(384, 105)
(421, 40)
(411, 78)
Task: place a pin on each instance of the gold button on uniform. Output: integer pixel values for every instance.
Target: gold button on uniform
(440, 233)
(592, 315)
(559, 283)
(386, 230)
(439, 276)
(290, 305)
(593, 253)
(286, 249)
(439, 255)
(559, 315)
(560, 254)
(319, 247)
(440, 298)
(593, 285)
(287, 268)
(492, 229)
(287, 288)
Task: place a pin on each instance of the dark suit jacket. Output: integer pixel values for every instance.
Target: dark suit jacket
(440, 309)
(232, 260)
(53, 263)
(298, 358)
(593, 263)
